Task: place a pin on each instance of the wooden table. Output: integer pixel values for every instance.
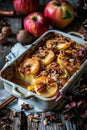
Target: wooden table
(5, 49)
(37, 125)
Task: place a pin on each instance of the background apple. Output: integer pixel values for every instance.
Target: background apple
(36, 24)
(59, 13)
(25, 6)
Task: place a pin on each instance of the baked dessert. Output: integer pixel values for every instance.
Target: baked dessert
(73, 57)
(48, 65)
(55, 61)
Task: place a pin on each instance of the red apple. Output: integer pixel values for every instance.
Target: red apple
(36, 24)
(59, 13)
(25, 6)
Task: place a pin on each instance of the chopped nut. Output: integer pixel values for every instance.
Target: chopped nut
(1, 123)
(43, 114)
(6, 126)
(59, 124)
(3, 39)
(23, 37)
(6, 120)
(15, 114)
(35, 120)
(45, 122)
(83, 89)
(6, 30)
(36, 115)
(30, 117)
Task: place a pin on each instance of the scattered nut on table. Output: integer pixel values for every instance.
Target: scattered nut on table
(6, 30)
(3, 39)
(23, 37)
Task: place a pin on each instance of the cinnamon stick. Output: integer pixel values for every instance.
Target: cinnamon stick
(7, 102)
(6, 13)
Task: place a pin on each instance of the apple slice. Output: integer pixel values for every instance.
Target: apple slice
(30, 88)
(25, 78)
(29, 66)
(45, 86)
(70, 63)
(28, 70)
(48, 58)
(52, 44)
(63, 46)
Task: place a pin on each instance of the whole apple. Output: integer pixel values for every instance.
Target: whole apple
(36, 24)
(59, 13)
(25, 6)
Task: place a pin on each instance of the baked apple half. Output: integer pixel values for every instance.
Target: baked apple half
(45, 86)
(28, 69)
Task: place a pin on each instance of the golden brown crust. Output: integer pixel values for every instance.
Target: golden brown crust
(58, 59)
(29, 66)
(45, 86)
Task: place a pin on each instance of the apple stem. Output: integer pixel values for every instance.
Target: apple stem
(58, 2)
(34, 18)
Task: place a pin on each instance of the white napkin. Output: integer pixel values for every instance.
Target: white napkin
(16, 50)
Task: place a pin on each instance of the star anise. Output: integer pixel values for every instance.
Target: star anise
(25, 106)
(51, 117)
(83, 89)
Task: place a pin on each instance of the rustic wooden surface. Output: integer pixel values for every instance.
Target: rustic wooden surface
(16, 125)
(16, 25)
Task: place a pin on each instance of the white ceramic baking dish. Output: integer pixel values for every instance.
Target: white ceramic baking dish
(44, 104)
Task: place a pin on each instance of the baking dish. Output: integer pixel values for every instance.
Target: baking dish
(36, 100)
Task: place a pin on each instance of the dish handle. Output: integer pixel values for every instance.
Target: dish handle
(18, 91)
(76, 34)
(20, 94)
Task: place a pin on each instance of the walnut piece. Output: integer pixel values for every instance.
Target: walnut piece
(3, 39)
